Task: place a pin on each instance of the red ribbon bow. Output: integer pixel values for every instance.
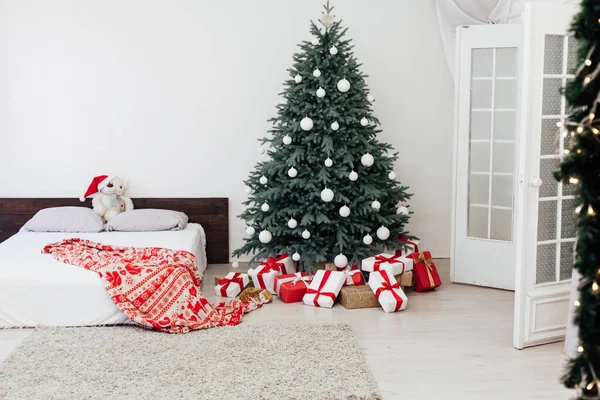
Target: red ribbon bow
(407, 241)
(225, 282)
(383, 259)
(272, 264)
(387, 285)
(318, 292)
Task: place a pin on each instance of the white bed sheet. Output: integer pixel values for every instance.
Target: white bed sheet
(35, 289)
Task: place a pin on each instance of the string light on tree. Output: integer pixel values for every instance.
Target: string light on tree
(327, 195)
(263, 180)
(250, 230)
(317, 73)
(292, 172)
(292, 223)
(265, 236)
(344, 211)
(353, 176)
(306, 234)
(306, 124)
(367, 160)
(340, 261)
(367, 239)
(343, 85)
(320, 92)
(335, 126)
(328, 162)
(287, 140)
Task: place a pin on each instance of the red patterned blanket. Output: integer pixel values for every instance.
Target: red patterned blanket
(156, 288)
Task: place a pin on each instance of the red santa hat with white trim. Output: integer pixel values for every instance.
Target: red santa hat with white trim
(97, 184)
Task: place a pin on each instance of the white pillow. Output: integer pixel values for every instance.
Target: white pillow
(146, 220)
(65, 219)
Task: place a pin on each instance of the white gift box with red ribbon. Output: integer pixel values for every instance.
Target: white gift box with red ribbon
(264, 275)
(387, 290)
(324, 288)
(353, 276)
(396, 265)
(232, 284)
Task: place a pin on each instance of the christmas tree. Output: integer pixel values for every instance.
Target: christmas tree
(329, 187)
(581, 166)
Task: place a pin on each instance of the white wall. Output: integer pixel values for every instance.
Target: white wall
(173, 95)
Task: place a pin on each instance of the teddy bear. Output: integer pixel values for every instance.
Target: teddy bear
(108, 194)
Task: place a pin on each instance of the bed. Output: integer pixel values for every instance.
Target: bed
(37, 290)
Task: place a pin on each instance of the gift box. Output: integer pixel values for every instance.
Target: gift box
(353, 276)
(426, 275)
(411, 246)
(294, 290)
(352, 297)
(387, 290)
(393, 264)
(324, 288)
(325, 266)
(218, 278)
(280, 279)
(264, 275)
(405, 279)
(232, 284)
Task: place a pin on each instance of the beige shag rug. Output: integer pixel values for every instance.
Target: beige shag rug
(242, 362)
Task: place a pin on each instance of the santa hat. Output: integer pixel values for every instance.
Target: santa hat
(97, 184)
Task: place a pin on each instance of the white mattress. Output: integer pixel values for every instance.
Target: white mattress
(35, 289)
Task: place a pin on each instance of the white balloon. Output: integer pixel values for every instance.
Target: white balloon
(265, 207)
(367, 239)
(265, 236)
(292, 223)
(392, 175)
(335, 126)
(344, 211)
(383, 233)
(340, 260)
(376, 205)
(364, 121)
(317, 73)
(298, 78)
(261, 150)
(296, 256)
(327, 195)
(370, 98)
(263, 180)
(235, 264)
(353, 176)
(402, 210)
(367, 160)
(250, 230)
(306, 234)
(314, 40)
(306, 124)
(287, 139)
(292, 172)
(248, 189)
(343, 85)
(320, 92)
(333, 50)
(328, 162)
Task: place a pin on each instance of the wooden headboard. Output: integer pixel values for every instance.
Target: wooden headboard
(211, 213)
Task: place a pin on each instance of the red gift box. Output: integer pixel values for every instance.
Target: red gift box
(426, 275)
(281, 279)
(353, 276)
(293, 291)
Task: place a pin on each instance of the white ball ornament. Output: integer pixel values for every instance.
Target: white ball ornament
(344, 211)
(292, 223)
(328, 162)
(367, 160)
(343, 85)
(364, 121)
(367, 239)
(370, 98)
(306, 234)
(353, 176)
(235, 264)
(317, 73)
(261, 150)
(320, 92)
(292, 172)
(265, 236)
(263, 180)
(402, 210)
(327, 195)
(287, 139)
(383, 233)
(296, 256)
(306, 124)
(333, 50)
(298, 78)
(265, 207)
(314, 40)
(335, 126)
(376, 205)
(250, 230)
(392, 175)
(340, 260)
(248, 190)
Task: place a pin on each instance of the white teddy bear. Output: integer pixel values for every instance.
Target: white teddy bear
(108, 193)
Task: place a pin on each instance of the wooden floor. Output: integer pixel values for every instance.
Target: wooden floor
(453, 343)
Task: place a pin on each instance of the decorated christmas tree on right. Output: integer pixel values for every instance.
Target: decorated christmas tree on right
(582, 166)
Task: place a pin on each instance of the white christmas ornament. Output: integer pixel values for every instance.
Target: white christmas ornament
(333, 50)
(340, 260)
(392, 175)
(306, 234)
(376, 205)
(287, 139)
(383, 233)
(261, 150)
(320, 92)
(367, 239)
(335, 126)
(250, 230)
(344, 211)
(298, 78)
(306, 124)
(235, 264)
(314, 40)
(370, 98)
(265, 207)
(265, 236)
(248, 189)
(292, 223)
(353, 176)
(292, 172)
(317, 73)
(343, 85)
(263, 180)
(328, 162)
(327, 195)
(367, 160)
(402, 210)
(296, 256)
(364, 121)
